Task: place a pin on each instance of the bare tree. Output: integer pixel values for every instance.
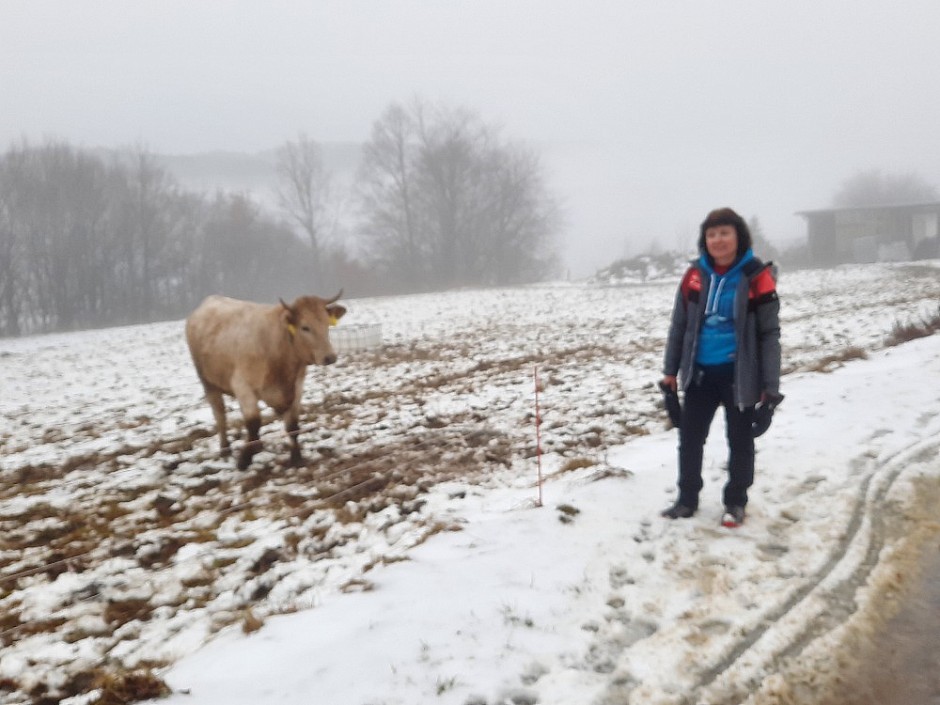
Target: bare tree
(149, 217)
(13, 292)
(874, 188)
(388, 196)
(520, 217)
(247, 255)
(304, 191)
(445, 202)
(53, 213)
(63, 211)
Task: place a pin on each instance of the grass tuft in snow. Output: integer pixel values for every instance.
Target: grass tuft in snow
(828, 363)
(905, 332)
(120, 612)
(122, 688)
(445, 684)
(251, 622)
(567, 513)
(575, 464)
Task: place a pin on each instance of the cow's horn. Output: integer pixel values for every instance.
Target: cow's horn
(337, 297)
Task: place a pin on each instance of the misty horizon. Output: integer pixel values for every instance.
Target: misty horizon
(655, 113)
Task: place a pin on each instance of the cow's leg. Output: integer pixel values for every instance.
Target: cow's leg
(292, 426)
(252, 442)
(292, 420)
(252, 416)
(214, 397)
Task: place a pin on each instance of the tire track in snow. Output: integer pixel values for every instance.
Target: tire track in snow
(836, 600)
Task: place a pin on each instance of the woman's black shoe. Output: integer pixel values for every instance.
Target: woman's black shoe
(678, 511)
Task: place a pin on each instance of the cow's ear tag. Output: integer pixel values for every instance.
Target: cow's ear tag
(292, 329)
(334, 321)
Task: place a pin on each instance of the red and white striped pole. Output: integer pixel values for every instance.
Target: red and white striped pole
(538, 434)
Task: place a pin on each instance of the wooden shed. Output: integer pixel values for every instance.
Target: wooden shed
(873, 233)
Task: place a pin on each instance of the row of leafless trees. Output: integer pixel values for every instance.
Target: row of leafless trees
(441, 201)
(88, 242)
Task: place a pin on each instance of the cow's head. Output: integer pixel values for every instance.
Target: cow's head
(308, 322)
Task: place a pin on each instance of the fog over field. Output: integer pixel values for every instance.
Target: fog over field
(649, 114)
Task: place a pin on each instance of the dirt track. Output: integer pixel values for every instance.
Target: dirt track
(826, 604)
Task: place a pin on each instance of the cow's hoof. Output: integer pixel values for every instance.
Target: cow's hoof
(244, 461)
(226, 452)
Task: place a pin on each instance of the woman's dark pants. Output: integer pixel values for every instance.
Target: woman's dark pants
(713, 387)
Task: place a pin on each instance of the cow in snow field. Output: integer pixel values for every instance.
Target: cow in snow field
(256, 352)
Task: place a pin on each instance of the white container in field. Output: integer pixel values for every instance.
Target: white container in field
(356, 337)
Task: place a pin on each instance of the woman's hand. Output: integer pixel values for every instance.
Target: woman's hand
(670, 381)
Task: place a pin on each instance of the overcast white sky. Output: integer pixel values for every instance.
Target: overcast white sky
(655, 111)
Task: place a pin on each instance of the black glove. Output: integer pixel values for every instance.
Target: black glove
(764, 413)
(671, 402)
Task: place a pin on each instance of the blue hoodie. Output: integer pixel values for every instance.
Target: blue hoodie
(717, 345)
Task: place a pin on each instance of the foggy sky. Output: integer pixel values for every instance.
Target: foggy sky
(650, 112)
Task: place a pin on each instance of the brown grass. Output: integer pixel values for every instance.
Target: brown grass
(20, 630)
(358, 585)
(384, 560)
(166, 549)
(251, 622)
(131, 687)
(437, 527)
(121, 612)
(575, 464)
(264, 563)
(828, 363)
(905, 332)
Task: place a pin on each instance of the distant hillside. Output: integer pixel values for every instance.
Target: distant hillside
(251, 172)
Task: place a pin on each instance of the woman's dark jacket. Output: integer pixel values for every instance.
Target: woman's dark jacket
(756, 324)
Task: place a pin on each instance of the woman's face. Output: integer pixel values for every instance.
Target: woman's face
(721, 241)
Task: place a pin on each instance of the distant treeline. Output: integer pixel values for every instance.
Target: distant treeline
(87, 241)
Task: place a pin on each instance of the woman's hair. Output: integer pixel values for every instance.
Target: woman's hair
(726, 216)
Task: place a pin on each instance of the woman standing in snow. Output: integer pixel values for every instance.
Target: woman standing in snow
(724, 349)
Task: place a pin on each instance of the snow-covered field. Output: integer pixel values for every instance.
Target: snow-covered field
(408, 562)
